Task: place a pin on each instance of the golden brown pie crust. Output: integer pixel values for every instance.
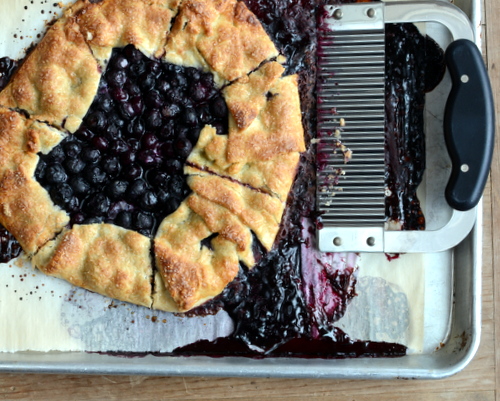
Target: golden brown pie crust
(26, 209)
(103, 258)
(239, 182)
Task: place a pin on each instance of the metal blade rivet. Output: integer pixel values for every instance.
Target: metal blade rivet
(338, 14)
(337, 241)
(370, 13)
(370, 241)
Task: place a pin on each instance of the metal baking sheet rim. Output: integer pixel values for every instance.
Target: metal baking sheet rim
(451, 358)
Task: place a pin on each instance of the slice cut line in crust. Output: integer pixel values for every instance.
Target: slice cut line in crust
(240, 181)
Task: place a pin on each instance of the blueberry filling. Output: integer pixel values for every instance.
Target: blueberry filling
(7, 67)
(9, 247)
(124, 165)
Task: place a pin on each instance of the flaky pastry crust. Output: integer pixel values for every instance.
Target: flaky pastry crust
(117, 23)
(58, 80)
(221, 36)
(103, 258)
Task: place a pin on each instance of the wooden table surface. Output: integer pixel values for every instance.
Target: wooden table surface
(479, 381)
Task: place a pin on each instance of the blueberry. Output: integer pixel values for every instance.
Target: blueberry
(116, 119)
(127, 111)
(193, 74)
(154, 100)
(154, 66)
(182, 147)
(180, 81)
(173, 166)
(56, 155)
(147, 81)
(73, 204)
(95, 175)
(148, 158)
(177, 185)
(134, 171)
(163, 86)
(219, 107)
(132, 89)
(159, 178)
(79, 185)
(207, 80)
(163, 197)
(204, 114)
(55, 174)
(77, 218)
(112, 132)
(100, 143)
(97, 204)
(111, 166)
(119, 94)
(167, 150)
(118, 146)
(91, 155)
(117, 78)
(137, 188)
(6, 64)
(149, 141)
(96, 120)
(170, 110)
(167, 131)
(40, 169)
(117, 189)
(84, 133)
(153, 119)
(124, 219)
(138, 68)
(172, 204)
(199, 92)
(149, 201)
(61, 194)
(128, 157)
(72, 149)
(193, 135)
(137, 105)
(120, 62)
(116, 208)
(132, 54)
(105, 103)
(93, 220)
(143, 220)
(220, 128)
(175, 96)
(74, 166)
(134, 144)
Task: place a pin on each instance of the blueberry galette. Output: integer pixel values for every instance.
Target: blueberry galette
(147, 148)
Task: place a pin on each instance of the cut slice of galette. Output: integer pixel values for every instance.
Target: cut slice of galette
(147, 162)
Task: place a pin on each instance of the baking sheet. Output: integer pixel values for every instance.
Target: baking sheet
(77, 320)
